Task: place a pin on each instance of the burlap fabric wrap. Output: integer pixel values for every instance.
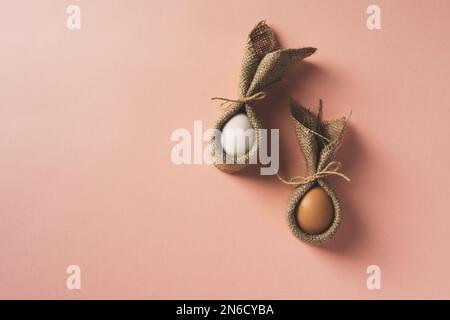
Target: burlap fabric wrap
(263, 64)
(319, 142)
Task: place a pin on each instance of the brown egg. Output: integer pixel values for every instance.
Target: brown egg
(315, 212)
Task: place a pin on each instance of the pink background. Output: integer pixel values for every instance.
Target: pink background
(86, 176)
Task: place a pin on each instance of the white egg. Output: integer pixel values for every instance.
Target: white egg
(238, 136)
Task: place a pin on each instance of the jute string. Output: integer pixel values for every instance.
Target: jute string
(331, 169)
(226, 102)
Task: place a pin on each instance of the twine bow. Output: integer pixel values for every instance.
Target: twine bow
(331, 168)
(225, 101)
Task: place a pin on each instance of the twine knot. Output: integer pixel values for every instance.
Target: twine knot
(257, 96)
(331, 168)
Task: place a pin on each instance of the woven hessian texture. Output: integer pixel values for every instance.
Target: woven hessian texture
(318, 153)
(263, 64)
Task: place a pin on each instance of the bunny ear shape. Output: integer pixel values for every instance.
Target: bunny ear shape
(306, 124)
(319, 141)
(334, 133)
(261, 41)
(274, 64)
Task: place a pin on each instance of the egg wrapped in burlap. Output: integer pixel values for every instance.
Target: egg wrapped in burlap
(263, 64)
(319, 142)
